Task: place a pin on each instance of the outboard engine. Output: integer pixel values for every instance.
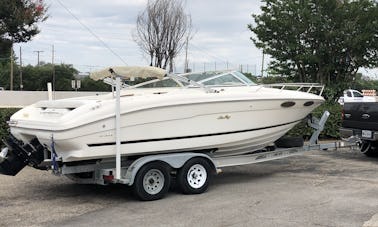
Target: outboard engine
(17, 155)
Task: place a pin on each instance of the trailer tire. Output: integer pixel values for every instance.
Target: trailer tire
(152, 181)
(367, 148)
(194, 176)
(288, 142)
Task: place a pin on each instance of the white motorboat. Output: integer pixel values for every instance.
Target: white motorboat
(220, 113)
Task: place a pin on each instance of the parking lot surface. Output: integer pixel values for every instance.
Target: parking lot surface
(321, 188)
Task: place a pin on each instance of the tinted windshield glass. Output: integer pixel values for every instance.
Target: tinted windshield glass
(168, 82)
(220, 78)
(244, 78)
(227, 79)
(201, 76)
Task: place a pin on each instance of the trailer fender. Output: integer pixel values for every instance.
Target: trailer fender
(176, 161)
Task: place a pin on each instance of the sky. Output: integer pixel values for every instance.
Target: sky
(221, 39)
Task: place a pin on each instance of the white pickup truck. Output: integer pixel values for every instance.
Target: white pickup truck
(351, 95)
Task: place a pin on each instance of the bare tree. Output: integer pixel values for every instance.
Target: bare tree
(161, 31)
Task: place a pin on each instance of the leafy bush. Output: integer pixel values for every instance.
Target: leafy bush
(4, 117)
(331, 129)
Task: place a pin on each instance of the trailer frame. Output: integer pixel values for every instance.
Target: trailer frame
(105, 170)
(150, 174)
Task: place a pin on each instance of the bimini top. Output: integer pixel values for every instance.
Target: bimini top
(129, 72)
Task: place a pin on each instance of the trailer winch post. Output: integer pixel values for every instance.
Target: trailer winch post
(319, 126)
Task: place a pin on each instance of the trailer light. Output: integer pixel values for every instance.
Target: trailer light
(108, 177)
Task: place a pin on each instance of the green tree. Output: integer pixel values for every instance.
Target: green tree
(35, 78)
(19, 18)
(87, 84)
(324, 41)
(18, 23)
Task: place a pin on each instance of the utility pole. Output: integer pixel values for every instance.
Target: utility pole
(53, 71)
(38, 51)
(186, 56)
(11, 68)
(21, 84)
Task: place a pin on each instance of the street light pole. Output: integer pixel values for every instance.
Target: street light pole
(11, 69)
(21, 84)
(262, 64)
(53, 71)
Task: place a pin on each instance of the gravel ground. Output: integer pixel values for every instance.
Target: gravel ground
(321, 188)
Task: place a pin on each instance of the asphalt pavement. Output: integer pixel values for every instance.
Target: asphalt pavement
(321, 188)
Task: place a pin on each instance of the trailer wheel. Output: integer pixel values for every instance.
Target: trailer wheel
(152, 181)
(367, 149)
(194, 176)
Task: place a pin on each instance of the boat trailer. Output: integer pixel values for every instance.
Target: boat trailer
(150, 175)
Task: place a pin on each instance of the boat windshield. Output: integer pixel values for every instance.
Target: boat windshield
(208, 79)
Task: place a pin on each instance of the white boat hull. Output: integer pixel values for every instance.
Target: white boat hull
(226, 125)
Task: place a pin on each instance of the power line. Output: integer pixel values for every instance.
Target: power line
(57, 29)
(202, 50)
(207, 53)
(90, 31)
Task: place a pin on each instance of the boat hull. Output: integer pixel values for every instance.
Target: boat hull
(226, 127)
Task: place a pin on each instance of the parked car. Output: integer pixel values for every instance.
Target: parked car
(2, 89)
(351, 95)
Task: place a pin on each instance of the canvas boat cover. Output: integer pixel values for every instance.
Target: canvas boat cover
(129, 72)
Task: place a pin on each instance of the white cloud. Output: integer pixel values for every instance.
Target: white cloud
(222, 38)
(221, 33)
